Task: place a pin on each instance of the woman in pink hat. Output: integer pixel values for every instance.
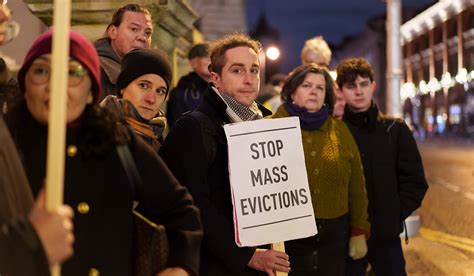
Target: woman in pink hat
(96, 185)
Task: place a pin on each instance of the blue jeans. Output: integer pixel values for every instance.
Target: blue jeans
(385, 257)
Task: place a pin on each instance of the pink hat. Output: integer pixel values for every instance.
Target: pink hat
(80, 49)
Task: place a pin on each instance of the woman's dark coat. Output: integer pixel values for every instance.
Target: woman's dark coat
(393, 170)
(97, 188)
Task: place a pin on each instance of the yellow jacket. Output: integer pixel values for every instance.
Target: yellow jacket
(335, 174)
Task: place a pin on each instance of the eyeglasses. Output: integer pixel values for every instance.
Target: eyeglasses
(40, 74)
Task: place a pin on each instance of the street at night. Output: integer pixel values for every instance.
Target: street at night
(256, 137)
(445, 245)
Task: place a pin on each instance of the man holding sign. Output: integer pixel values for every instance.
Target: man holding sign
(196, 151)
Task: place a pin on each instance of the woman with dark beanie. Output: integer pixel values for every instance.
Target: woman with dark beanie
(95, 182)
(335, 176)
(142, 87)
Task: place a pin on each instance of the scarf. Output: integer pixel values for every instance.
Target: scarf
(308, 120)
(238, 112)
(151, 129)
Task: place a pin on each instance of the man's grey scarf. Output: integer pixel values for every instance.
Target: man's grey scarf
(238, 112)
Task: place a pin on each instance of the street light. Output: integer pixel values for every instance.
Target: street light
(273, 53)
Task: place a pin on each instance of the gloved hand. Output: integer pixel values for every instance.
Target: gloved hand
(357, 247)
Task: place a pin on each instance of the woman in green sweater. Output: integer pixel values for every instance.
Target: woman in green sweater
(335, 176)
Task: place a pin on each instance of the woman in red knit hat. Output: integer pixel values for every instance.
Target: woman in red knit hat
(95, 183)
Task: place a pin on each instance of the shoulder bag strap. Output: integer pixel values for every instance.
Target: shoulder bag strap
(130, 167)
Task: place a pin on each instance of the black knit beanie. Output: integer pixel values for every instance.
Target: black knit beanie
(139, 62)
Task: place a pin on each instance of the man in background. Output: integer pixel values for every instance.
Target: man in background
(316, 50)
(131, 28)
(270, 96)
(8, 85)
(189, 92)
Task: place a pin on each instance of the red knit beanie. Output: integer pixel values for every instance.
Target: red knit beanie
(80, 49)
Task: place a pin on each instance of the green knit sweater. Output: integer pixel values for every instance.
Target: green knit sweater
(335, 174)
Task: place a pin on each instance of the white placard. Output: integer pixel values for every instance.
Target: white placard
(270, 193)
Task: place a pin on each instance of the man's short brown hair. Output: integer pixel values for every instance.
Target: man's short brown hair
(349, 69)
(230, 41)
(200, 50)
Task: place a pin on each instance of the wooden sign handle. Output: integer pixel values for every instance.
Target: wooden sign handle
(57, 111)
(279, 246)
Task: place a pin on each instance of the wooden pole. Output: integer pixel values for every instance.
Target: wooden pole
(57, 109)
(279, 246)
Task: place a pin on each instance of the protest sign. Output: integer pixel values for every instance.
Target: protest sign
(270, 193)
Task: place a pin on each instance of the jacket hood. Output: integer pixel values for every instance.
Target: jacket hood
(104, 49)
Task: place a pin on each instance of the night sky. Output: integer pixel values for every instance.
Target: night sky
(334, 19)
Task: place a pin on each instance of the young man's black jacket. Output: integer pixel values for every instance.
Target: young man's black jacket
(393, 169)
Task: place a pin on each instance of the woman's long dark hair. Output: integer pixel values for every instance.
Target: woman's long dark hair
(297, 77)
(102, 130)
